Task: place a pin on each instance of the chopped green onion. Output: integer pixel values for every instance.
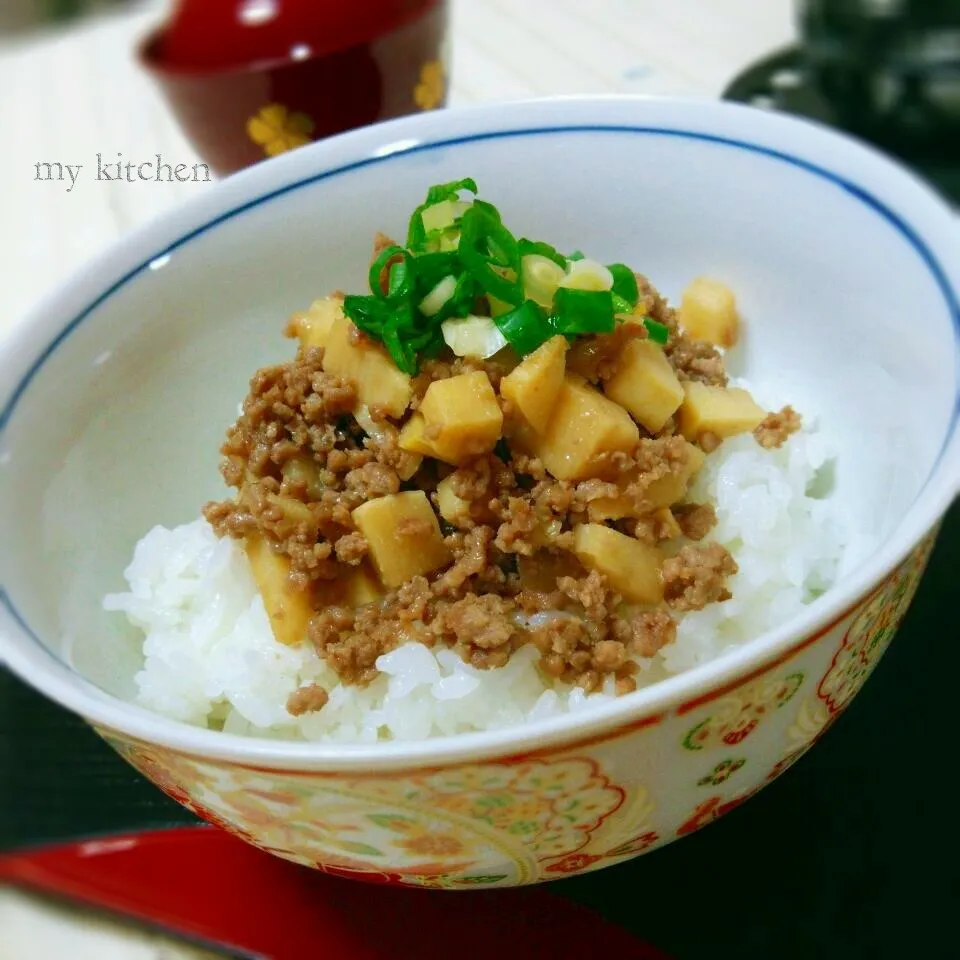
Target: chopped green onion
(368, 314)
(625, 283)
(540, 277)
(432, 347)
(621, 306)
(446, 240)
(405, 319)
(526, 327)
(473, 336)
(464, 296)
(449, 191)
(658, 332)
(583, 311)
(587, 274)
(458, 255)
(385, 257)
(439, 296)
(399, 280)
(433, 267)
(443, 215)
(543, 250)
(485, 244)
(416, 233)
(400, 351)
(489, 209)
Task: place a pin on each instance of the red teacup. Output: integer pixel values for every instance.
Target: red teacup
(249, 79)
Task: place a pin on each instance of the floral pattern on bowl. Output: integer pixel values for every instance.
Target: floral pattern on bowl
(563, 810)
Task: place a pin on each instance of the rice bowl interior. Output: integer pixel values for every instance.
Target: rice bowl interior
(190, 331)
(253, 616)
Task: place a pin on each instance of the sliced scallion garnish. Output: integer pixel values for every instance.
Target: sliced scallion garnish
(620, 305)
(625, 283)
(485, 244)
(450, 191)
(658, 332)
(416, 233)
(439, 296)
(460, 261)
(541, 249)
(386, 257)
(583, 311)
(400, 350)
(433, 267)
(525, 327)
(400, 277)
(368, 314)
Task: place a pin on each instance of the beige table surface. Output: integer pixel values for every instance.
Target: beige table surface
(66, 96)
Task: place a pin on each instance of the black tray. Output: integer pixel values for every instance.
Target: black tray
(780, 82)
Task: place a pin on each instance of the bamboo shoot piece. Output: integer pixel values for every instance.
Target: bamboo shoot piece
(288, 608)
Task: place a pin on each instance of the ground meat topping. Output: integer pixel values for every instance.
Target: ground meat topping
(351, 641)
(565, 647)
(471, 553)
(480, 625)
(777, 427)
(373, 480)
(303, 456)
(654, 460)
(351, 548)
(591, 593)
(651, 632)
(697, 360)
(697, 576)
(695, 520)
(307, 700)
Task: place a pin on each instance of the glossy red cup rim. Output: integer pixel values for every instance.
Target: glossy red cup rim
(149, 55)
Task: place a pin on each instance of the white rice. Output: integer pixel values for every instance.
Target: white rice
(210, 658)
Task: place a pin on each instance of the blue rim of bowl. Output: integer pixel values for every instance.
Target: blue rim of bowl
(848, 186)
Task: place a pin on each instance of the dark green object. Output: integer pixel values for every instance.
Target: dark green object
(886, 71)
(525, 327)
(657, 331)
(625, 283)
(541, 249)
(416, 233)
(69, 9)
(890, 68)
(584, 312)
(487, 246)
(65, 9)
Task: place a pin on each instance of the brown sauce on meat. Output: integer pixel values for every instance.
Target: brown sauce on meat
(301, 464)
